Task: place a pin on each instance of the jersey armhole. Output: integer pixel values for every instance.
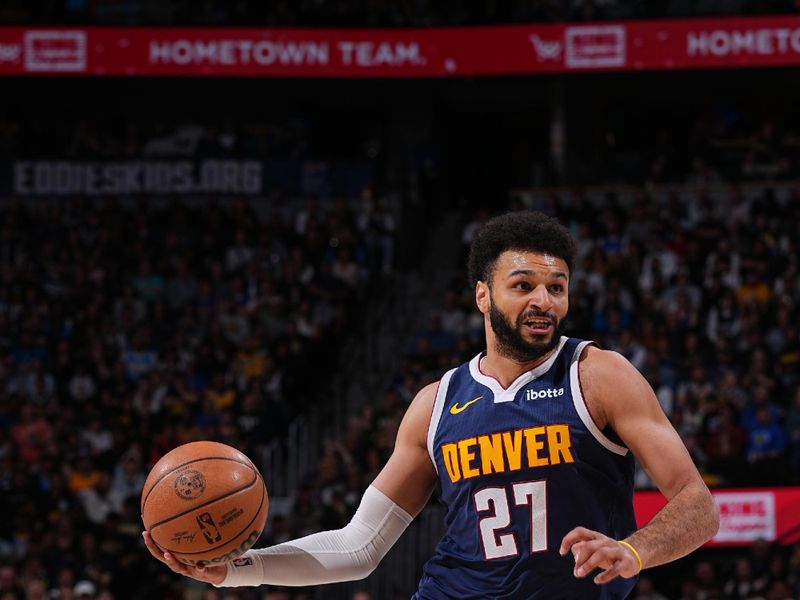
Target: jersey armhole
(583, 410)
(436, 415)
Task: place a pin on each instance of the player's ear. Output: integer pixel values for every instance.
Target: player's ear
(482, 297)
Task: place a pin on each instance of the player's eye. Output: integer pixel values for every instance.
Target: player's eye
(556, 288)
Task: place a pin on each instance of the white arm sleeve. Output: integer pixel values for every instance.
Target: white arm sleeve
(345, 554)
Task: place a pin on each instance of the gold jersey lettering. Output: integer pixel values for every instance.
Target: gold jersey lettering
(558, 443)
(467, 457)
(513, 448)
(450, 458)
(491, 453)
(497, 452)
(534, 446)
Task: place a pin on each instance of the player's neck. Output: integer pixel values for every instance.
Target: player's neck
(507, 370)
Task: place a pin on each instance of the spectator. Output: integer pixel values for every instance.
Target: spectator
(32, 434)
(377, 226)
(645, 591)
(127, 482)
(744, 584)
(793, 430)
(752, 288)
(84, 590)
(766, 443)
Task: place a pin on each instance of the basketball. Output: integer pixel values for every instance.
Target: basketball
(204, 502)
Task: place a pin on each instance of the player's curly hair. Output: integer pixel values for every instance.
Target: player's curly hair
(524, 230)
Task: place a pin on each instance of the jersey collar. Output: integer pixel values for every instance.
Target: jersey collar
(508, 394)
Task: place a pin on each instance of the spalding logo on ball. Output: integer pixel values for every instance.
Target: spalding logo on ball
(204, 502)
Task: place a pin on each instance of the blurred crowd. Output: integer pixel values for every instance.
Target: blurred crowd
(155, 135)
(124, 333)
(720, 144)
(368, 13)
(762, 572)
(126, 330)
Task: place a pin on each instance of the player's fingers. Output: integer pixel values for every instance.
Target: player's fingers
(598, 556)
(578, 534)
(163, 556)
(152, 547)
(582, 550)
(176, 565)
(576, 550)
(609, 574)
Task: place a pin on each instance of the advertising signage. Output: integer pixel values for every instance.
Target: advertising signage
(431, 52)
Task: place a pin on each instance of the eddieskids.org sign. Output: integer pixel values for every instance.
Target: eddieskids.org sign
(124, 178)
(186, 177)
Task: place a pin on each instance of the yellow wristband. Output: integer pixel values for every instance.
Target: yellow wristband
(635, 553)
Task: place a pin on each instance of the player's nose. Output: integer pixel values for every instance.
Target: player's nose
(540, 298)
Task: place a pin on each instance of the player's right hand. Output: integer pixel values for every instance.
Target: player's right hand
(592, 550)
(209, 574)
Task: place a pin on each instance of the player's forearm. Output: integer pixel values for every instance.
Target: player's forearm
(687, 521)
(330, 556)
(290, 565)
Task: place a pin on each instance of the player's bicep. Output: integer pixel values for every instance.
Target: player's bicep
(635, 415)
(408, 478)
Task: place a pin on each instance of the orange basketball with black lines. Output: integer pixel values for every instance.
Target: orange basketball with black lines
(204, 502)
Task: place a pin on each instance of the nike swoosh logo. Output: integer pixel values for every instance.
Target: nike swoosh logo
(455, 409)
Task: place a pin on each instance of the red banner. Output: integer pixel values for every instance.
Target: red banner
(456, 51)
(746, 515)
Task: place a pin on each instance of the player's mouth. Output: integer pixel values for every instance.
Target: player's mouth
(538, 326)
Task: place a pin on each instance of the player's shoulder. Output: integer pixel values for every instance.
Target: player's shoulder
(595, 355)
(601, 368)
(417, 419)
(426, 396)
(421, 408)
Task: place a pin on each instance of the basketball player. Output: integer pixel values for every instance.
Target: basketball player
(533, 445)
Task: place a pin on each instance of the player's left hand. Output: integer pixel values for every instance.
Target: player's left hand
(594, 550)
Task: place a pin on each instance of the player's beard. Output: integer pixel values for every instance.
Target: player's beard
(509, 340)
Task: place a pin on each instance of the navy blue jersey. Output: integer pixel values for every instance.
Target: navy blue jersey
(519, 468)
